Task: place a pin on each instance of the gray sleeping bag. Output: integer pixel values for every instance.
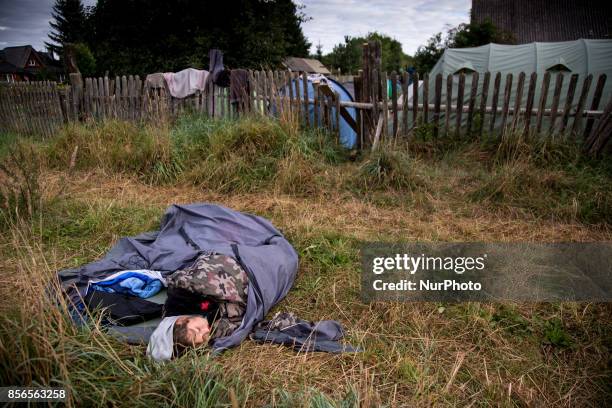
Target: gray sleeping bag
(188, 230)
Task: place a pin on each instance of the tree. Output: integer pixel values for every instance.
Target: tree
(170, 36)
(462, 36)
(347, 55)
(85, 60)
(68, 24)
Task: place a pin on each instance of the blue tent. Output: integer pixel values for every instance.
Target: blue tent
(348, 137)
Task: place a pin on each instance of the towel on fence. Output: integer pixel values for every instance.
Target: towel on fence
(186, 82)
(142, 283)
(302, 335)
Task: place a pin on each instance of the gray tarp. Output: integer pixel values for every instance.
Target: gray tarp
(187, 230)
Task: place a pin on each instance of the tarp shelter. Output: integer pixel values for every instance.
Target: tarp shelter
(186, 231)
(580, 57)
(348, 136)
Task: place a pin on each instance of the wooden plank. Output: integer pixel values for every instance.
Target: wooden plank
(460, 90)
(124, 98)
(289, 84)
(555, 102)
(95, 100)
(483, 102)
(385, 98)
(542, 103)
(316, 105)
(405, 79)
(472, 102)
(529, 104)
(306, 99)
(516, 114)
(358, 83)
(601, 81)
(437, 103)
(101, 98)
(117, 98)
(586, 86)
(415, 99)
(425, 98)
(449, 102)
(495, 101)
(568, 103)
(394, 103)
(507, 93)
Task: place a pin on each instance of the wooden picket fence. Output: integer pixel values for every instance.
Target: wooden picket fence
(491, 106)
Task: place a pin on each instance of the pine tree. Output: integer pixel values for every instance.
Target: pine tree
(68, 25)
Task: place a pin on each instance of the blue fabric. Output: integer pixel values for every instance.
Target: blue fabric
(130, 283)
(186, 231)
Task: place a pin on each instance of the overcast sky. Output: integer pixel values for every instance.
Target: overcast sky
(411, 22)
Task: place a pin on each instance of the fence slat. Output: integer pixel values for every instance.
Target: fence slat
(415, 100)
(405, 79)
(495, 101)
(594, 104)
(425, 98)
(516, 114)
(507, 93)
(385, 99)
(555, 102)
(483, 101)
(449, 101)
(306, 98)
(472, 102)
(394, 102)
(529, 104)
(586, 86)
(542, 104)
(568, 103)
(437, 103)
(460, 90)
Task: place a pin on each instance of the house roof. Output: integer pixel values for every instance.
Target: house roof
(309, 65)
(546, 20)
(18, 56)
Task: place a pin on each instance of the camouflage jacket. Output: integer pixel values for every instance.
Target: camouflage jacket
(221, 278)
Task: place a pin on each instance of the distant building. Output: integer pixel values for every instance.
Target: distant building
(546, 20)
(308, 65)
(24, 63)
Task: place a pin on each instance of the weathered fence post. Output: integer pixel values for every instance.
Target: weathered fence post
(76, 82)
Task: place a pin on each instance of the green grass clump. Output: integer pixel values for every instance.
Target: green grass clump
(389, 169)
(115, 147)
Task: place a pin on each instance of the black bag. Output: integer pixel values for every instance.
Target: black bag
(123, 309)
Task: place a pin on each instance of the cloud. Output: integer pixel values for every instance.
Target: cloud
(411, 23)
(4, 28)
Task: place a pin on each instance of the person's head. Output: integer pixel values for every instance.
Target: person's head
(190, 331)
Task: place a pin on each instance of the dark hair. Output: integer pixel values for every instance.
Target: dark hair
(180, 335)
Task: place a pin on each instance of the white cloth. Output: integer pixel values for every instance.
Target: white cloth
(161, 343)
(186, 82)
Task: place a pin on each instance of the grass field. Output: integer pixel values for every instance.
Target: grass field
(65, 206)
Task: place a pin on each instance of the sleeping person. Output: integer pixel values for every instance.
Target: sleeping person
(206, 301)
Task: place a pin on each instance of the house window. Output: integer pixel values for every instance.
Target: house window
(31, 63)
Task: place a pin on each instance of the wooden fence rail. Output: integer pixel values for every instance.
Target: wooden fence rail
(385, 106)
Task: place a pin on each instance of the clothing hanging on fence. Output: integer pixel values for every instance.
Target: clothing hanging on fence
(155, 81)
(239, 88)
(220, 76)
(186, 82)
